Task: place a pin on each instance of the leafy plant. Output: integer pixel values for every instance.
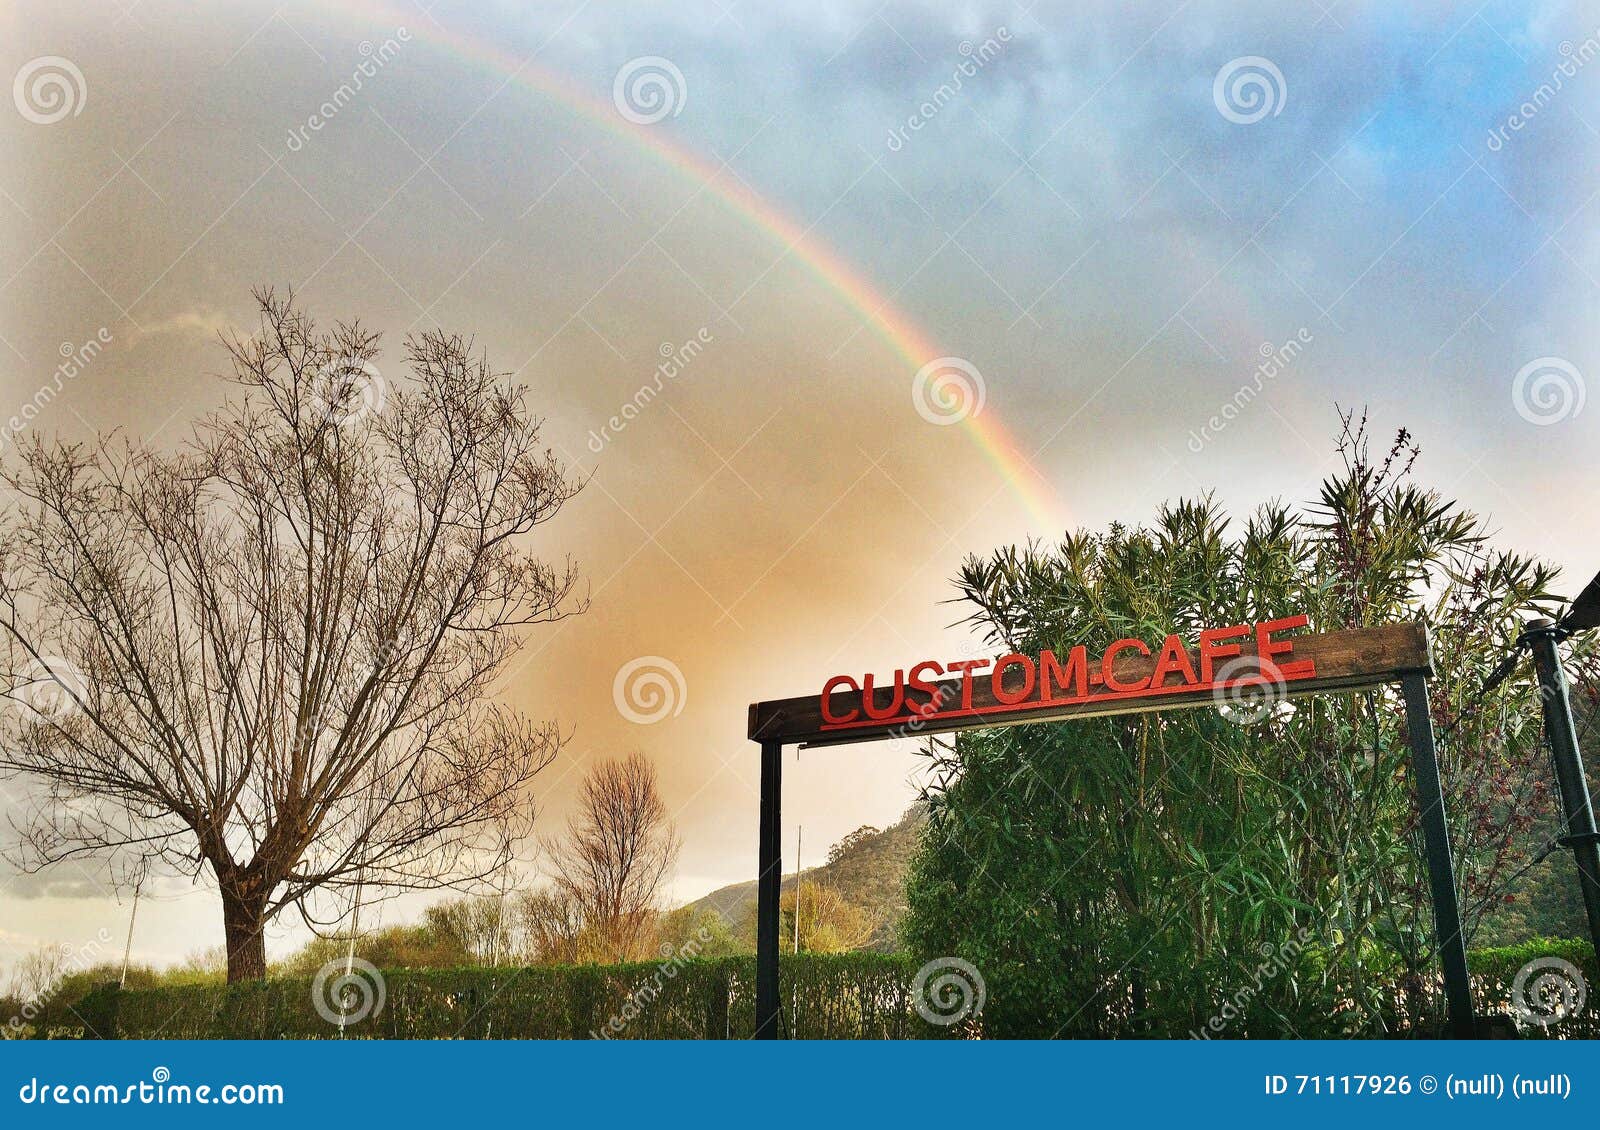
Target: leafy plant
(1125, 875)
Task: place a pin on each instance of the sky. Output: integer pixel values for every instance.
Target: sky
(907, 281)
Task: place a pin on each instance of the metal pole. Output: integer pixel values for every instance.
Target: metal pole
(350, 951)
(1441, 869)
(794, 990)
(127, 947)
(798, 832)
(500, 916)
(1542, 637)
(769, 875)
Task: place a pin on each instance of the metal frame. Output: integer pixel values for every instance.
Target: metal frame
(768, 879)
(1542, 636)
(1441, 865)
(768, 728)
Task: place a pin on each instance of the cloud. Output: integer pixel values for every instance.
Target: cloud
(57, 883)
(201, 323)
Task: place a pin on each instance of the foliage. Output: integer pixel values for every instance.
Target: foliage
(1109, 875)
(39, 986)
(826, 996)
(476, 928)
(394, 947)
(849, 996)
(1546, 902)
(867, 868)
(704, 929)
(829, 922)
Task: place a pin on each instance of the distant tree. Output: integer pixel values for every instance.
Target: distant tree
(853, 842)
(267, 655)
(549, 926)
(35, 973)
(414, 946)
(1545, 901)
(829, 922)
(616, 855)
(477, 925)
(209, 964)
(703, 933)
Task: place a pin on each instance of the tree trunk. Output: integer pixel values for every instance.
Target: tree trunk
(245, 932)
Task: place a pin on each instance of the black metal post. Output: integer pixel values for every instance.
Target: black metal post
(767, 885)
(1542, 636)
(1441, 868)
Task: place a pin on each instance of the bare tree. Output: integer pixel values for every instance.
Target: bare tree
(619, 848)
(36, 973)
(550, 927)
(269, 653)
(476, 924)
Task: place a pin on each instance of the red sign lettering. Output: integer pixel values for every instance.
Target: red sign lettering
(1017, 683)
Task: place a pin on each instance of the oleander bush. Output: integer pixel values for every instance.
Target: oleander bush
(1256, 869)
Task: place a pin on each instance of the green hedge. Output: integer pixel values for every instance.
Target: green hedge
(842, 996)
(1495, 970)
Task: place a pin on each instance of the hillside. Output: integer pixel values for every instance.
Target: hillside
(867, 867)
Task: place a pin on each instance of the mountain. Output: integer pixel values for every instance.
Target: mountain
(867, 867)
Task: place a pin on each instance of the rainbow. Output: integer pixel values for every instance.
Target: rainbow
(891, 325)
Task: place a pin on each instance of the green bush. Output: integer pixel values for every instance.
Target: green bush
(1254, 870)
(824, 997)
(1495, 970)
(839, 996)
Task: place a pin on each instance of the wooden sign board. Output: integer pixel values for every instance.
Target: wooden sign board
(1243, 664)
(1229, 665)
